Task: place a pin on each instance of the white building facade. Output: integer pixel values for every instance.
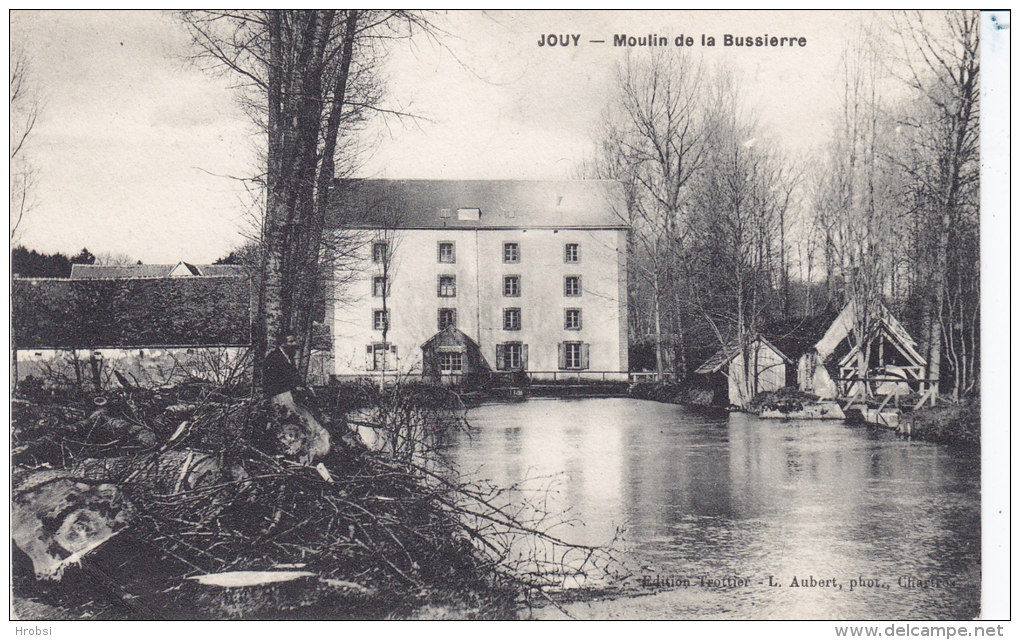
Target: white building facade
(532, 273)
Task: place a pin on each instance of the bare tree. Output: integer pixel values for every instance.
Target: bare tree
(939, 63)
(654, 142)
(24, 111)
(856, 208)
(113, 258)
(308, 78)
(735, 264)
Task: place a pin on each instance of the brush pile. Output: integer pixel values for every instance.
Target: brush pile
(187, 503)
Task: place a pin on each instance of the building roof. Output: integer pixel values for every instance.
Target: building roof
(476, 204)
(843, 325)
(99, 272)
(449, 337)
(728, 352)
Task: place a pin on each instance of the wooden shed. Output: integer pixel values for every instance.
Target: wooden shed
(766, 370)
(450, 357)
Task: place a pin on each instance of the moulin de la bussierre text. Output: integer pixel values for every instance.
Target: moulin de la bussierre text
(682, 40)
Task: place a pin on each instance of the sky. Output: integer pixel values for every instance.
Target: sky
(137, 149)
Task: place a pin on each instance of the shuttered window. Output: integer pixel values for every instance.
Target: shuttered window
(573, 355)
(511, 356)
(381, 356)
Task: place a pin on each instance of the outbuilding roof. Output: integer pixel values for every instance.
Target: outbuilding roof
(99, 272)
(477, 204)
(728, 352)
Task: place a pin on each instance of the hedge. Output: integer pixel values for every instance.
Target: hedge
(130, 312)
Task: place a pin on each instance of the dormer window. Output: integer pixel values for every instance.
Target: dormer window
(469, 214)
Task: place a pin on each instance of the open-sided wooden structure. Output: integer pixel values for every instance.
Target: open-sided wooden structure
(831, 368)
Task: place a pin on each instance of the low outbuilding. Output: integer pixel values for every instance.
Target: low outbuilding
(765, 369)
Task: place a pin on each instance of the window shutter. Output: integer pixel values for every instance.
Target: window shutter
(524, 357)
(369, 359)
(562, 355)
(500, 358)
(584, 355)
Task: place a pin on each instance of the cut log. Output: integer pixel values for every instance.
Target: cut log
(57, 520)
(301, 436)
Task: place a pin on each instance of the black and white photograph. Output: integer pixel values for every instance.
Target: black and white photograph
(366, 314)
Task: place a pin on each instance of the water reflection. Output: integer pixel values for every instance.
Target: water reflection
(737, 496)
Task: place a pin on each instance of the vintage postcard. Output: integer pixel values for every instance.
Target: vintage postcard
(346, 314)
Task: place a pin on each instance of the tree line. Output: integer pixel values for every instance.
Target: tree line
(732, 240)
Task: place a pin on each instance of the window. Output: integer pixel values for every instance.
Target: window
(511, 286)
(571, 252)
(451, 362)
(379, 251)
(447, 286)
(447, 318)
(572, 319)
(573, 355)
(447, 253)
(379, 288)
(512, 319)
(572, 286)
(380, 320)
(382, 356)
(511, 252)
(511, 356)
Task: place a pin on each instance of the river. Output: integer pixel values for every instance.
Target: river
(709, 503)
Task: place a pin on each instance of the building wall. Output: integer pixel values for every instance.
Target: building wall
(413, 302)
(771, 374)
(145, 366)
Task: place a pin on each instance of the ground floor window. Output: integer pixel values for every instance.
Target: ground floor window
(382, 356)
(573, 355)
(511, 356)
(451, 362)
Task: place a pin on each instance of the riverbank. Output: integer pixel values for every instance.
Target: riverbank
(676, 393)
(955, 424)
(951, 424)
